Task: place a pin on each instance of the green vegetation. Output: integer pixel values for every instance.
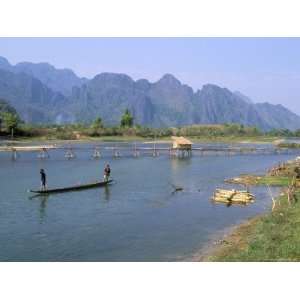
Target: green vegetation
(9, 121)
(289, 145)
(248, 180)
(225, 130)
(96, 129)
(284, 133)
(127, 119)
(274, 180)
(273, 236)
(230, 133)
(97, 124)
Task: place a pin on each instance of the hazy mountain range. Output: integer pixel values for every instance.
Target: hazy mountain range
(42, 93)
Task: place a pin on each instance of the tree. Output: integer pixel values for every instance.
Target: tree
(127, 119)
(256, 131)
(297, 133)
(10, 121)
(97, 124)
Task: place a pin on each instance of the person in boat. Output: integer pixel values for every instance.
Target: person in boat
(106, 172)
(43, 179)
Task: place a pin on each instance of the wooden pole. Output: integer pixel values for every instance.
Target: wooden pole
(135, 151)
(155, 153)
(14, 154)
(271, 195)
(97, 153)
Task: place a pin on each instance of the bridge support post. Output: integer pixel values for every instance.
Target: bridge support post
(136, 153)
(14, 154)
(70, 154)
(116, 153)
(97, 153)
(43, 154)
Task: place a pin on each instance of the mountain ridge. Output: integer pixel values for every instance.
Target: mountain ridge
(60, 80)
(42, 93)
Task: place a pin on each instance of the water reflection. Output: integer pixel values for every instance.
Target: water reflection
(43, 205)
(43, 199)
(106, 191)
(178, 163)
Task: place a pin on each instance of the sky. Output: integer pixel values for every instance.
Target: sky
(264, 69)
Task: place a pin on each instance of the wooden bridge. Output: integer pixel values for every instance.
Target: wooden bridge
(70, 150)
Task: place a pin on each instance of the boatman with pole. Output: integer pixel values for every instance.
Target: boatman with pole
(43, 180)
(106, 173)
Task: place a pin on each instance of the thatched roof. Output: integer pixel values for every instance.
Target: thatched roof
(180, 140)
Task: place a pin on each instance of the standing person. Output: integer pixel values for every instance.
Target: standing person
(43, 179)
(106, 172)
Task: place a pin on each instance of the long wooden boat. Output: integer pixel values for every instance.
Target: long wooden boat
(73, 188)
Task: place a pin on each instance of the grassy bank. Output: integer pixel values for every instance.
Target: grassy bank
(270, 237)
(248, 180)
(289, 145)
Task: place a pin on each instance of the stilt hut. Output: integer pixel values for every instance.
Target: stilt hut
(181, 147)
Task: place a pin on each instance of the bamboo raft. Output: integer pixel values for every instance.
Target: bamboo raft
(233, 196)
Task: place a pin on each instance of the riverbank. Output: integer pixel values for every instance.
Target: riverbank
(273, 236)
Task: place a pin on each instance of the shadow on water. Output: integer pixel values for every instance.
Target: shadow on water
(43, 205)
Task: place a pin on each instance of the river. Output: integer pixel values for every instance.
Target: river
(138, 218)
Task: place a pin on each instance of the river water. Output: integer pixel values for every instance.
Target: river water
(136, 219)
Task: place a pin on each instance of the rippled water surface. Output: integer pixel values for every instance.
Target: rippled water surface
(136, 219)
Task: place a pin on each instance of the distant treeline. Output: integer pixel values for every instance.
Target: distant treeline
(10, 123)
(78, 131)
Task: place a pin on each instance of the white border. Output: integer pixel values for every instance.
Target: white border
(155, 18)
(170, 18)
(148, 281)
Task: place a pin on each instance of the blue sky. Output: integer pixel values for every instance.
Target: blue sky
(265, 69)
